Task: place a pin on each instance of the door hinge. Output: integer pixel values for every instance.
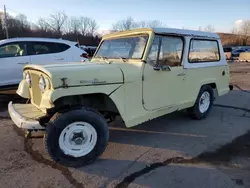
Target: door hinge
(142, 78)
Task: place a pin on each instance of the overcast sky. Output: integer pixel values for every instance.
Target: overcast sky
(190, 14)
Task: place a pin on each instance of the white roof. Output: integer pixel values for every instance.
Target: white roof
(185, 32)
(35, 39)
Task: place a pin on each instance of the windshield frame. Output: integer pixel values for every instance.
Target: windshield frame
(125, 36)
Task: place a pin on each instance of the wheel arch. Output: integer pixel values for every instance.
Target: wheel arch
(98, 101)
(211, 83)
(111, 100)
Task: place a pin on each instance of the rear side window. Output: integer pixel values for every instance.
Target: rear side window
(38, 48)
(203, 51)
(62, 47)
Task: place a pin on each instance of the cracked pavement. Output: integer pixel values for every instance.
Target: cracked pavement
(171, 151)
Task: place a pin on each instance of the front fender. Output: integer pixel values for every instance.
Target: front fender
(70, 91)
(23, 89)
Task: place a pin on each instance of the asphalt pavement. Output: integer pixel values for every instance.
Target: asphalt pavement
(172, 151)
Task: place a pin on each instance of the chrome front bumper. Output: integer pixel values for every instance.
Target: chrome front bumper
(22, 121)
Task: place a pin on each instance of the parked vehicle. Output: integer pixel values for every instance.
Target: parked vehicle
(89, 49)
(138, 74)
(17, 52)
(236, 53)
(228, 52)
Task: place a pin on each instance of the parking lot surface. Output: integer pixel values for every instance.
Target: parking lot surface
(172, 151)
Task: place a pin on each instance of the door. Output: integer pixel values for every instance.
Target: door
(43, 53)
(164, 76)
(13, 57)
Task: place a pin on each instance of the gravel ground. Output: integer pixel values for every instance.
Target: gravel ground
(171, 151)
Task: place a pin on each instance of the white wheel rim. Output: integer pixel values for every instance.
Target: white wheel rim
(78, 139)
(204, 102)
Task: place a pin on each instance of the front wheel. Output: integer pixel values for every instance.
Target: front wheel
(77, 137)
(203, 103)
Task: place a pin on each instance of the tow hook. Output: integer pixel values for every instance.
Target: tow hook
(29, 134)
(231, 87)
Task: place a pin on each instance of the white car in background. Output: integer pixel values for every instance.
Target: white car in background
(17, 52)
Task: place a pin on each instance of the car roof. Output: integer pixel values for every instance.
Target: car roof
(36, 39)
(186, 32)
(173, 31)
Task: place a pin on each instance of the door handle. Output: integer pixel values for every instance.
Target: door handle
(181, 74)
(23, 63)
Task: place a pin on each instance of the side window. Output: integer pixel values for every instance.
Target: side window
(153, 54)
(170, 52)
(63, 47)
(203, 51)
(39, 48)
(13, 50)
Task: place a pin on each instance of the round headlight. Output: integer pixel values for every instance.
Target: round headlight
(42, 83)
(28, 78)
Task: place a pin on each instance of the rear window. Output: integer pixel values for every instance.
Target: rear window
(203, 51)
(38, 48)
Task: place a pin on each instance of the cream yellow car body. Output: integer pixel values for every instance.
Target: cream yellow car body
(138, 92)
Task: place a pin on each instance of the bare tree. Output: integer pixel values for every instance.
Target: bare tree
(2, 34)
(84, 25)
(130, 23)
(155, 23)
(244, 32)
(93, 26)
(142, 24)
(49, 27)
(43, 25)
(126, 24)
(74, 25)
(234, 31)
(22, 20)
(209, 28)
(57, 21)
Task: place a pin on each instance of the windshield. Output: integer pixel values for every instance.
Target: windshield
(131, 47)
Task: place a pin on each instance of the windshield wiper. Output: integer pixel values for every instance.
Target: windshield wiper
(104, 58)
(124, 59)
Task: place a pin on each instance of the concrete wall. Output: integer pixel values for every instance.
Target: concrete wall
(244, 56)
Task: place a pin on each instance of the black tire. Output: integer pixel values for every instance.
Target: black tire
(194, 111)
(57, 124)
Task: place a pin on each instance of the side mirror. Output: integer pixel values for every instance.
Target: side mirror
(157, 67)
(161, 67)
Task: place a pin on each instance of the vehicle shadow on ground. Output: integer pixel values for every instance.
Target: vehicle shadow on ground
(167, 132)
(125, 172)
(178, 133)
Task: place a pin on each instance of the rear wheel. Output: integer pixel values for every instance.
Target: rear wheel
(77, 137)
(203, 103)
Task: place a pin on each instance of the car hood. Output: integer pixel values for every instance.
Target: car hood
(92, 73)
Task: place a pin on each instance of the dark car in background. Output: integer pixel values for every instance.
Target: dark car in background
(89, 49)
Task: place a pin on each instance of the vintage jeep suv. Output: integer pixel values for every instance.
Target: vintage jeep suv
(138, 74)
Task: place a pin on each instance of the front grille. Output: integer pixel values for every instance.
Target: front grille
(36, 95)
